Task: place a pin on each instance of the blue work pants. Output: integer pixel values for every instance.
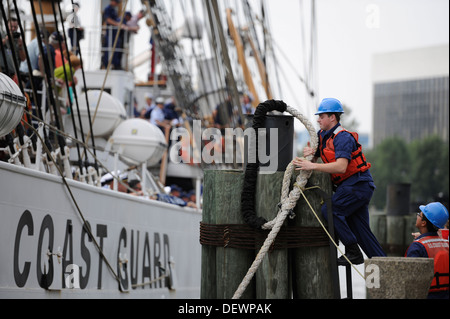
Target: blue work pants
(108, 45)
(350, 206)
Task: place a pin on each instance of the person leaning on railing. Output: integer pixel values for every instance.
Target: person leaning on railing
(112, 21)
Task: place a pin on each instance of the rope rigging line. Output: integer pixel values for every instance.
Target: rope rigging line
(28, 61)
(48, 74)
(49, 83)
(151, 282)
(75, 94)
(85, 224)
(85, 88)
(19, 128)
(75, 140)
(111, 55)
(66, 80)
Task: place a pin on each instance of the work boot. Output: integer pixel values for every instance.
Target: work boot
(353, 254)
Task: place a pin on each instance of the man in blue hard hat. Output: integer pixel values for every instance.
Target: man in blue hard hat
(429, 244)
(344, 160)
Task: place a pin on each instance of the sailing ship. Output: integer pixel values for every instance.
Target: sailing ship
(64, 235)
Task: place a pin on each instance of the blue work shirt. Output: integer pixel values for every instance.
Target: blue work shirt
(110, 12)
(344, 145)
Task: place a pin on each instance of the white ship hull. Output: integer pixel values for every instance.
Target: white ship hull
(39, 219)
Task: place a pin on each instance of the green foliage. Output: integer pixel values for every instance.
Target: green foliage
(424, 164)
(390, 164)
(429, 168)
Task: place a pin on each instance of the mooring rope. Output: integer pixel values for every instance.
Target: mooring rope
(251, 171)
(242, 236)
(288, 199)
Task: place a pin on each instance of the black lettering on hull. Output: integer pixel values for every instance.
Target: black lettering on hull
(144, 265)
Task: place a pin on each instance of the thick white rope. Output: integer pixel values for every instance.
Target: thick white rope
(288, 202)
(302, 178)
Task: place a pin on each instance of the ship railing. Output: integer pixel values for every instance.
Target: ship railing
(98, 46)
(87, 174)
(61, 99)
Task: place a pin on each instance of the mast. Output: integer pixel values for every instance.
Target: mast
(261, 68)
(214, 17)
(241, 58)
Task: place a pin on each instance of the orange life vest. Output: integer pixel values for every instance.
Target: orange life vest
(437, 248)
(357, 163)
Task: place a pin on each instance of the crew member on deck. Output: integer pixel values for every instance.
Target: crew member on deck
(157, 116)
(112, 21)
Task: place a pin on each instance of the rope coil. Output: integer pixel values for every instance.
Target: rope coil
(251, 172)
(288, 199)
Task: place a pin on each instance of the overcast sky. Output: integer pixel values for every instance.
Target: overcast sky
(348, 33)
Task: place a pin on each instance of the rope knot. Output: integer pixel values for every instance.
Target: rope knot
(302, 188)
(290, 211)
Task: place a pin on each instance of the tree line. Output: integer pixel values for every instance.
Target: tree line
(422, 163)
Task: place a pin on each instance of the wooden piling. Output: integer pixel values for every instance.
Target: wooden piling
(223, 268)
(312, 273)
(272, 276)
(399, 229)
(410, 227)
(210, 207)
(399, 223)
(378, 226)
(395, 234)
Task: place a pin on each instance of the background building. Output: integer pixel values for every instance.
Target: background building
(411, 94)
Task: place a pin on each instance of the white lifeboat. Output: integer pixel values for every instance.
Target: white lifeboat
(12, 103)
(110, 113)
(138, 141)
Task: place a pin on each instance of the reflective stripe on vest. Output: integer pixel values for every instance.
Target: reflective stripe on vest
(436, 246)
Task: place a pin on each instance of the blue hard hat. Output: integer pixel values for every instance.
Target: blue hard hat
(436, 213)
(330, 105)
